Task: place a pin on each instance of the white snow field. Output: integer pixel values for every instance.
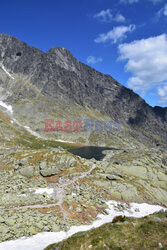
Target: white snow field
(42, 240)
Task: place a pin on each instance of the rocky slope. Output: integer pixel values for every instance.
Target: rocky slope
(48, 189)
(56, 85)
(43, 187)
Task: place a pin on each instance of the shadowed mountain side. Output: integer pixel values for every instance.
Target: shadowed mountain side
(56, 78)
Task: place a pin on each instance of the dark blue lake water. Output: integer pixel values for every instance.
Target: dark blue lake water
(90, 152)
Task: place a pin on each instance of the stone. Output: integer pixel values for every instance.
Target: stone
(33, 230)
(157, 219)
(4, 229)
(27, 171)
(126, 222)
(55, 228)
(72, 162)
(40, 225)
(111, 178)
(78, 210)
(1, 219)
(137, 210)
(10, 222)
(47, 170)
(160, 245)
(102, 183)
(46, 229)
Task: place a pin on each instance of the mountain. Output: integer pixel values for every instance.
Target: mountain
(45, 185)
(56, 85)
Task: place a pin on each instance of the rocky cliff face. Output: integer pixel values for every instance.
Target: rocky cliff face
(44, 82)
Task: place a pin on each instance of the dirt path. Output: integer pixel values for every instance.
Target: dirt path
(59, 193)
(59, 189)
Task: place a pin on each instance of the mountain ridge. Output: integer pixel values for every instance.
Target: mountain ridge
(59, 76)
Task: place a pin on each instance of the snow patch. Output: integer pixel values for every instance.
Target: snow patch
(7, 107)
(33, 132)
(42, 240)
(44, 190)
(5, 148)
(5, 70)
(10, 111)
(65, 141)
(22, 195)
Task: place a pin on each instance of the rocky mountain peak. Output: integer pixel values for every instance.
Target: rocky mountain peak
(62, 57)
(59, 50)
(57, 74)
(17, 56)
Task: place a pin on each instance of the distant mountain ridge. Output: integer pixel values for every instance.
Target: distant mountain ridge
(44, 82)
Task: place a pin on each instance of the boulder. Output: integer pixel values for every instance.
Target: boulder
(27, 171)
(112, 178)
(49, 171)
(157, 219)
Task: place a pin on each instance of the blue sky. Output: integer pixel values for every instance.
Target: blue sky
(124, 38)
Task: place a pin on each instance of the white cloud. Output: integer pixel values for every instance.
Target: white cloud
(115, 35)
(162, 92)
(147, 61)
(129, 1)
(104, 15)
(136, 1)
(107, 16)
(93, 59)
(119, 18)
(163, 11)
(156, 1)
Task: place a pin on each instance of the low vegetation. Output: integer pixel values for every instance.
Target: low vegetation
(123, 233)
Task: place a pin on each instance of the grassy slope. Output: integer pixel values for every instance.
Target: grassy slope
(135, 234)
(11, 135)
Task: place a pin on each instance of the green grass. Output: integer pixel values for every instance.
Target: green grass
(137, 234)
(37, 143)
